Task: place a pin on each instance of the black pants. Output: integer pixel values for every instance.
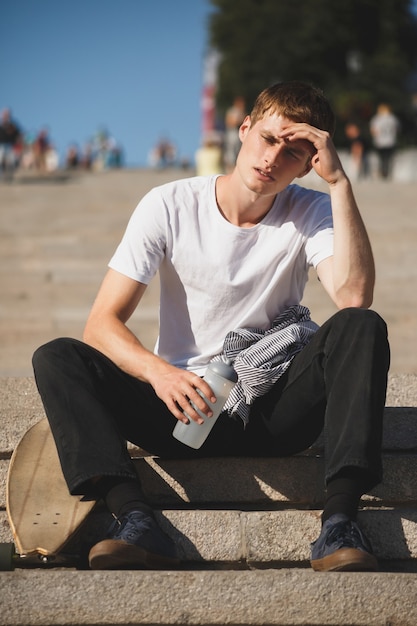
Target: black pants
(337, 382)
(385, 156)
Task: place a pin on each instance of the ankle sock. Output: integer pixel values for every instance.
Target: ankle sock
(343, 495)
(123, 496)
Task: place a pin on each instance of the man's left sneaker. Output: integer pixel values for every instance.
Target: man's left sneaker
(342, 547)
(135, 542)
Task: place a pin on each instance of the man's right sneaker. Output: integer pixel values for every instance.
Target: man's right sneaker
(134, 542)
(342, 547)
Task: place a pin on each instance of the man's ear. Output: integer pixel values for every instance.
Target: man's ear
(244, 127)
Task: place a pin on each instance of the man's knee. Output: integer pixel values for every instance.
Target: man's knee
(51, 352)
(366, 318)
(365, 332)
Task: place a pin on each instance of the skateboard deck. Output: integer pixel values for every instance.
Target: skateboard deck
(42, 513)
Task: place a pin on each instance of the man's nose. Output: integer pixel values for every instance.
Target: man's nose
(272, 155)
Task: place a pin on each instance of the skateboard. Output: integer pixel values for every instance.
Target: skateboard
(43, 515)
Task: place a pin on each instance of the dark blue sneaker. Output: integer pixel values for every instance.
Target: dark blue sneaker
(342, 547)
(135, 542)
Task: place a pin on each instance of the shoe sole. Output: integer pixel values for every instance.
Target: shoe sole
(346, 560)
(118, 554)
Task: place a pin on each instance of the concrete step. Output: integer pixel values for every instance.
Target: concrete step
(243, 529)
(231, 539)
(259, 511)
(267, 598)
(256, 483)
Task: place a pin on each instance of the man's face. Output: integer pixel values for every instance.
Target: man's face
(266, 162)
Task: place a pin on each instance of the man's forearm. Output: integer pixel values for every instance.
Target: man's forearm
(353, 262)
(114, 339)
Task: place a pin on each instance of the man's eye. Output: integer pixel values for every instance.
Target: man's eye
(269, 140)
(293, 155)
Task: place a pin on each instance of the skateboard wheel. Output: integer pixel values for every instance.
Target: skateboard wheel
(7, 556)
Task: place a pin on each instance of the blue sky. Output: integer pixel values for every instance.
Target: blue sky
(134, 67)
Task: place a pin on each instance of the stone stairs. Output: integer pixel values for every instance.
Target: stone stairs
(243, 528)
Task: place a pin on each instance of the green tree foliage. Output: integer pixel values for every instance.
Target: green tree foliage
(360, 52)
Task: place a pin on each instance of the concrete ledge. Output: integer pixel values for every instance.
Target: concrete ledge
(256, 483)
(21, 407)
(297, 480)
(234, 539)
(284, 597)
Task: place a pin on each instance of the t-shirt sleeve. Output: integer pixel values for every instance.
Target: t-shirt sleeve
(143, 245)
(319, 244)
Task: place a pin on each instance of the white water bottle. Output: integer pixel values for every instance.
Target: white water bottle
(221, 377)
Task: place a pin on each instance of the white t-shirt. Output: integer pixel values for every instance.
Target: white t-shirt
(214, 276)
(385, 129)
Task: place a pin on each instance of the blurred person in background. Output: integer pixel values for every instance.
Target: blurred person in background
(358, 149)
(10, 143)
(40, 148)
(233, 119)
(208, 158)
(384, 128)
(72, 158)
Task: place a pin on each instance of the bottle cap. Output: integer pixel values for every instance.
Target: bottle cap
(224, 368)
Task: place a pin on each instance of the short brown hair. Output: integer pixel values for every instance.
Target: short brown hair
(298, 101)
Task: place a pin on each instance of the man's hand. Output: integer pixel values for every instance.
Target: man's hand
(178, 389)
(325, 160)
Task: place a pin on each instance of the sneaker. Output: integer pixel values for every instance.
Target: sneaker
(134, 542)
(342, 546)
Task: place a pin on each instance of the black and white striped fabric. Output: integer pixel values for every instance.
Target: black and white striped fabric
(261, 357)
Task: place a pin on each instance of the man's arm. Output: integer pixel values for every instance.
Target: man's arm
(349, 275)
(106, 331)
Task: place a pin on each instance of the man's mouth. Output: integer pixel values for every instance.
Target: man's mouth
(264, 173)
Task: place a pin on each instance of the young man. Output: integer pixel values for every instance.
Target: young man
(233, 254)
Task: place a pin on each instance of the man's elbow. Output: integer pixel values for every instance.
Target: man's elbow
(356, 300)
